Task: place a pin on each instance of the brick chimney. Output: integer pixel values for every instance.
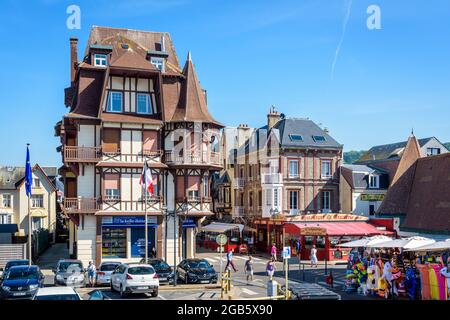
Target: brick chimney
(272, 117)
(73, 57)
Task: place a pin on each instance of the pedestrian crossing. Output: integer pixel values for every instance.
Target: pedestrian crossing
(249, 292)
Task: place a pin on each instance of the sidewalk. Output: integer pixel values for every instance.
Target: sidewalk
(47, 261)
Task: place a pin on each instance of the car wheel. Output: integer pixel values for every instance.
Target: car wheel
(112, 287)
(155, 293)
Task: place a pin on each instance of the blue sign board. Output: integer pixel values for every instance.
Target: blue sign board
(129, 222)
(189, 223)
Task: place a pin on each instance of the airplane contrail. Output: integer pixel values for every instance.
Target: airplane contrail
(344, 28)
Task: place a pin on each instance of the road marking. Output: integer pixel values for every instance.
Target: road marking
(161, 297)
(249, 292)
(211, 259)
(239, 257)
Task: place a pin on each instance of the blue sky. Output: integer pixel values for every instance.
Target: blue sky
(248, 55)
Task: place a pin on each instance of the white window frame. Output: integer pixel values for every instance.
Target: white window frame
(100, 60)
(6, 200)
(276, 198)
(112, 194)
(193, 195)
(205, 187)
(268, 194)
(158, 63)
(431, 151)
(374, 178)
(294, 175)
(5, 218)
(324, 175)
(109, 107)
(148, 106)
(37, 225)
(291, 207)
(326, 200)
(37, 201)
(36, 183)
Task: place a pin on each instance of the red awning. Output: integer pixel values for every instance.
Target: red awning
(335, 228)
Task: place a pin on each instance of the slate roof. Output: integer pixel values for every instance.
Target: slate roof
(12, 177)
(357, 176)
(388, 151)
(307, 129)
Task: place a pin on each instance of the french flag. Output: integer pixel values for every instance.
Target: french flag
(146, 180)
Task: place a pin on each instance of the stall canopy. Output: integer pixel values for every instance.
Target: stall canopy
(221, 227)
(335, 229)
(405, 243)
(436, 246)
(365, 242)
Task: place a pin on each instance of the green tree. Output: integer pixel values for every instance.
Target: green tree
(352, 155)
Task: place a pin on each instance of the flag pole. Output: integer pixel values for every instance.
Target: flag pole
(145, 211)
(29, 222)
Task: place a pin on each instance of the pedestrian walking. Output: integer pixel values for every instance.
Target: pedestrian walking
(249, 268)
(270, 268)
(153, 252)
(298, 247)
(91, 273)
(445, 272)
(313, 256)
(230, 261)
(273, 252)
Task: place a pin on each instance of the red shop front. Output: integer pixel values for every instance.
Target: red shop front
(326, 235)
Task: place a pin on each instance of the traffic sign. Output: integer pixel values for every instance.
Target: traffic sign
(221, 239)
(286, 252)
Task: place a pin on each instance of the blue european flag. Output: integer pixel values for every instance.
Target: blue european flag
(28, 175)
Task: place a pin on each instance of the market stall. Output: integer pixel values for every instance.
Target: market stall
(326, 236)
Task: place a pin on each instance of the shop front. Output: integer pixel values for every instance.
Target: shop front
(234, 233)
(123, 237)
(327, 235)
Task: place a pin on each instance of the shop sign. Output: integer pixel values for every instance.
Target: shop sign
(372, 197)
(337, 254)
(128, 220)
(189, 223)
(313, 231)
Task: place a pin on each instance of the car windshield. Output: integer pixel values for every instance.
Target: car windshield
(70, 266)
(140, 270)
(22, 274)
(202, 264)
(16, 263)
(58, 297)
(109, 266)
(159, 265)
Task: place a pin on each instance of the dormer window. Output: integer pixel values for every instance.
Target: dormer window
(319, 138)
(158, 63)
(295, 137)
(374, 181)
(143, 103)
(100, 60)
(115, 102)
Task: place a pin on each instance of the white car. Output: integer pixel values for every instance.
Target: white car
(56, 293)
(135, 278)
(103, 276)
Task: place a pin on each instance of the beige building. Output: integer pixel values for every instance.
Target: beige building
(14, 201)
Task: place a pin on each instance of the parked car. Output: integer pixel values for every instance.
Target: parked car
(163, 270)
(12, 263)
(196, 271)
(56, 294)
(21, 282)
(70, 272)
(135, 278)
(103, 276)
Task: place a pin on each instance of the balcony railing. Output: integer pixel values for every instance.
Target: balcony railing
(118, 156)
(194, 204)
(189, 157)
(154, 204)
(271, 178)
(239, 182)
(82, 154)
(238, 211)
(81, 205)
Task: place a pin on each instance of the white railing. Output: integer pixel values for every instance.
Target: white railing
(193, 157)
(238, 211)
(271, 178)
(239, 182)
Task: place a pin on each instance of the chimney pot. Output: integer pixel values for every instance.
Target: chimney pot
(73, 58)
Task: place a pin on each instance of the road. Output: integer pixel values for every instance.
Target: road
(244, 290)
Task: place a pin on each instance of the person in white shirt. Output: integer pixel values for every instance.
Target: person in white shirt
(91, 273)
(313, 256)
(445, 272)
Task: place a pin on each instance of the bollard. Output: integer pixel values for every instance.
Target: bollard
(229, 279)
(303, 272)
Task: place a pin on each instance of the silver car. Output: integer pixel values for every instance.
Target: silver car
(103, 276)
(70, 272)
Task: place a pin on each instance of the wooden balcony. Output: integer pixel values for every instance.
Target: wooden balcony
(82, 154)
(194, 204)
(239, 182)
(118, 156)
(238, 211)
(154, 204)
(193, 158)
(81, 205)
